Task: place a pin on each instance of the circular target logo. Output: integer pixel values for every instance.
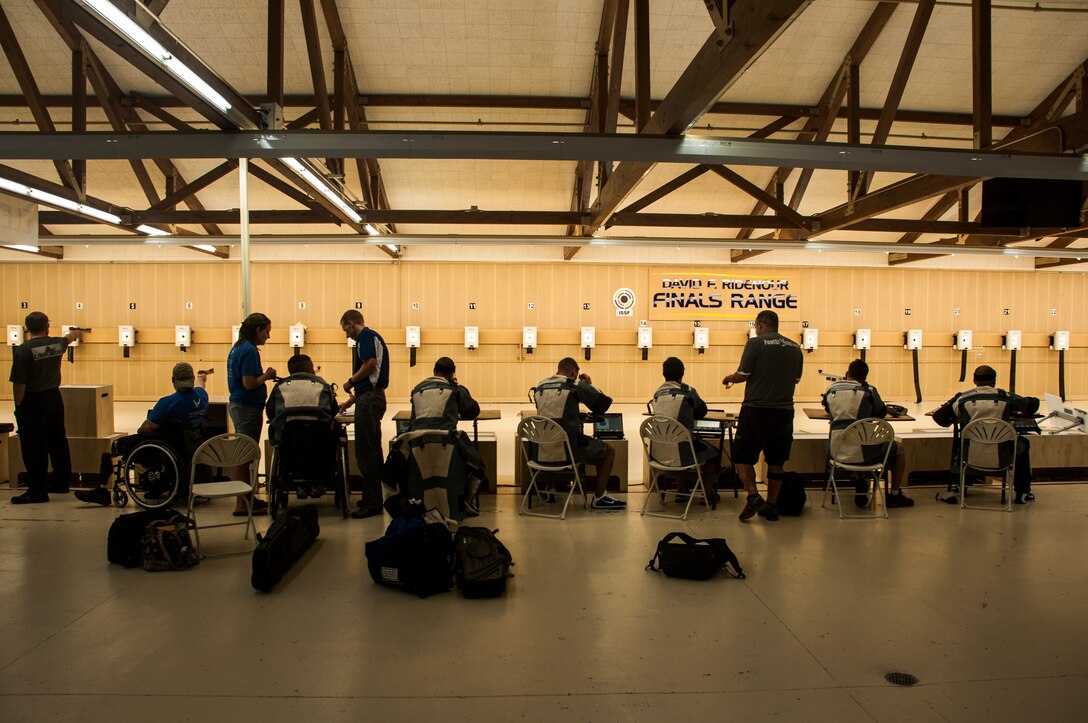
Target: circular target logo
(624, 301)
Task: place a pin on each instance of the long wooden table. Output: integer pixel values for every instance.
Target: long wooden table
(821, 413)
(485, 415)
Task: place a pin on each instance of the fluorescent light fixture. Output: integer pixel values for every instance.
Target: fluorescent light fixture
(371, 230)
(205, 247)
(392, 247)
(322, 186)
(21, 247)
(125, 25)
(151, 230)
(51, 199)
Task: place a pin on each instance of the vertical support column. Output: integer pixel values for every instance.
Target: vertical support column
(642, 64)
(243, 214)
(853, 124)
(275, 51)
(79, 112)
(982, 73)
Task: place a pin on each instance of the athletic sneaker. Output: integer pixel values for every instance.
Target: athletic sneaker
(755, 501)
(607, 502)
(898, 499)
(768, 512)
(96, 496)
(948, 496)
(472, 509)
(1025, 498)
(30, 498)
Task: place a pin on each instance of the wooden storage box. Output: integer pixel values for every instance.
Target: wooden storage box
(86, 454)
(88, 409)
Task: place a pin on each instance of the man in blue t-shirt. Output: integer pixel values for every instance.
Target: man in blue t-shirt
(370, 378)
(176, 419)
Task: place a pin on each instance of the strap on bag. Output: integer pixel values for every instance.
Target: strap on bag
(654, 564)
(725, 556)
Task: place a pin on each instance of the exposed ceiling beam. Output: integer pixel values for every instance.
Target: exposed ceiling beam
(371, 180)
(1036, 156)
(1049, 133)
(195, 186)
(627, 106)
(147, 104)
(241, 113)
(617, 241)
(760, 195)
(982, 72)
(594, 117)
(21, 69)
(898, 85)
(819, 125)
(642, 64)
(275, 51)
(665, 189)
(544, 218)
(756, 24)
(157, 6)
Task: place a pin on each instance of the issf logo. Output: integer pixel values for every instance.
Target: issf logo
(624, 301)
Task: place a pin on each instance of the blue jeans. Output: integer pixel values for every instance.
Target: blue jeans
(369, 410)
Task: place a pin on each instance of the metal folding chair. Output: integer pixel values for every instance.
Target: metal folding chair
(980, 450)
(663, 439)
(222, 452)
(848, 454)
(553, 456)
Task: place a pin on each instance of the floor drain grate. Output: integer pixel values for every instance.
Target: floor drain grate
(901, 679)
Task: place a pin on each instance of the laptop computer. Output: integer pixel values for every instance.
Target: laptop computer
(610, 426)
(708, 427)
(402, 426)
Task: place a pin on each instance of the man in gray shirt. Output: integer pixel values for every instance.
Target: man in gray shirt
(770, 368)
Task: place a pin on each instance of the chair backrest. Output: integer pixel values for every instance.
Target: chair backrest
(552, 445)
(663, 439)
(866, 441)
(988, 444)
(228, 450)
(309, 444)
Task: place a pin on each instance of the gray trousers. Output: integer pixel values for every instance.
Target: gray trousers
(369, 410)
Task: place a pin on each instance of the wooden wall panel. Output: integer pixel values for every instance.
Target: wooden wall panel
(500, 370)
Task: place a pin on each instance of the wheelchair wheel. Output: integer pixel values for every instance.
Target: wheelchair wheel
(277, 496)
(340, 482)
(120, 497)
(151, 476)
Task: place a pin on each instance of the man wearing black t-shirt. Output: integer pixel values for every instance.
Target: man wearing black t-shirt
(770, 368)
(39, 410)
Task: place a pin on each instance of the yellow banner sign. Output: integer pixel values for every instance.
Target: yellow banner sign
(713, 295)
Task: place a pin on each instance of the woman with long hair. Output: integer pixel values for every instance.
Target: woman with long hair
(246, 379)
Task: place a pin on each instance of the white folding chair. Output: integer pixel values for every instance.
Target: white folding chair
(980, 450)
(663, 439)
(848, 454)
(554, 455)
(225, 451)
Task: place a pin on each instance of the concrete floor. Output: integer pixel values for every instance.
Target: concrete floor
(986, 609)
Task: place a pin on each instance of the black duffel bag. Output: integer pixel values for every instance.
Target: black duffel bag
(414, 556)
(292, 534)
(692, 558)
(483, 563)
(124, 543)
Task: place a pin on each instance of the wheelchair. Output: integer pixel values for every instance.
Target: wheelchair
(312, 451)
(149, 469)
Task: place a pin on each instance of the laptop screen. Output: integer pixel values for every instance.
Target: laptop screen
(611, 425)
(402, 426)
(708, 425)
